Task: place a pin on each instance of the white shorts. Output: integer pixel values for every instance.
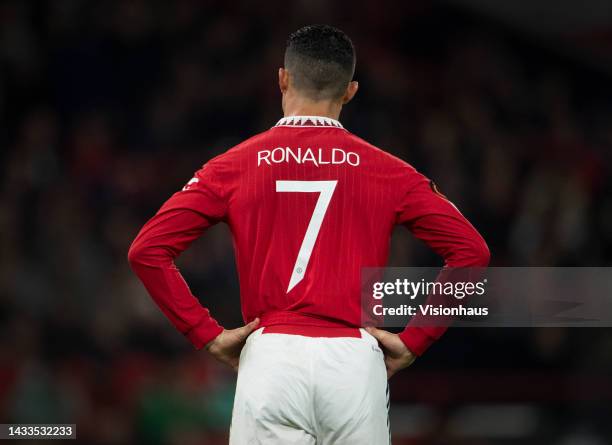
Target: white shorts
(302, 390)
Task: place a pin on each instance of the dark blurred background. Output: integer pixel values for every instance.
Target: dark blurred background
(107, 108)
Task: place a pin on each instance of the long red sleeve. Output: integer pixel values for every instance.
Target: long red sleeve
(437, 222)
(181, 220)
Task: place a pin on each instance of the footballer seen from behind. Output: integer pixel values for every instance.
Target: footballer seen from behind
(309, 204)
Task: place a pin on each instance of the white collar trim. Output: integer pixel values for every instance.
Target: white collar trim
(308, 121)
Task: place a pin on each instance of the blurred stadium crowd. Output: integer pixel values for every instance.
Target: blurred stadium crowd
(107, 108)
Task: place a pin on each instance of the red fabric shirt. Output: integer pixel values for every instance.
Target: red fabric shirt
(308, 204)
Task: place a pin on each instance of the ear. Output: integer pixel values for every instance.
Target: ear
(351, 90)
(283, 80)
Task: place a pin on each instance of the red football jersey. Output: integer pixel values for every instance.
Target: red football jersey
(309, 204)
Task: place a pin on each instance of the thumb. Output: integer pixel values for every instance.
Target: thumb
(378, 334)
(250, 327)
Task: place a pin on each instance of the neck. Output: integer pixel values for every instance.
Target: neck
(299, 106)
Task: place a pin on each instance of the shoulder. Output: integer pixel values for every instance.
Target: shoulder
(234, 156)
(381, 156)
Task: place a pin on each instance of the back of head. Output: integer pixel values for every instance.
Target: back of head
(321, 61)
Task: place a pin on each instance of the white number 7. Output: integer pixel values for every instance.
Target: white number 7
(326, 190)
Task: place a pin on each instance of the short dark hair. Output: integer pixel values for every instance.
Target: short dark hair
(321, 61)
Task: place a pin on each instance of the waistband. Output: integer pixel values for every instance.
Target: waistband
(298, 323)
(312, 331)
